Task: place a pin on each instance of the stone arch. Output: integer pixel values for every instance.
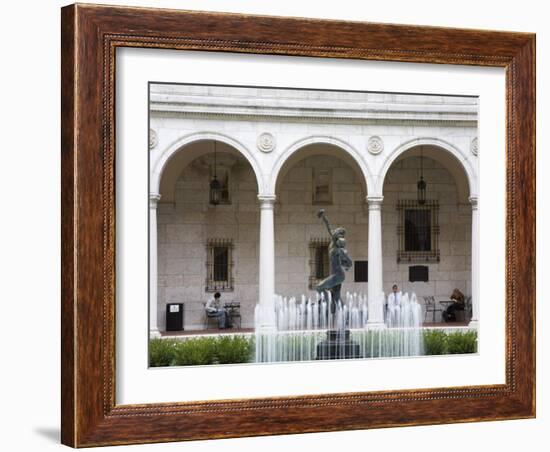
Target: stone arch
(174, 149)
(350, 154)
(454, 160)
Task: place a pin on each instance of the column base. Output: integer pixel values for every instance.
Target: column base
(266, 328)
(376, 325)
(154, 334)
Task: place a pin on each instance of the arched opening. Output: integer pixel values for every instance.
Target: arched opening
(204, 248)
(427, 247)
(185, 150)
(317, 176)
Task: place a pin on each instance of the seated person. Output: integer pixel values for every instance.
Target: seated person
(214, 309)
(393, 300)
(458, 305)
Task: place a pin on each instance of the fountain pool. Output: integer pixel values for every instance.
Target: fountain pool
(292, 329)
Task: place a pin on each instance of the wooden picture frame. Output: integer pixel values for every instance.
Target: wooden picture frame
(90, 36)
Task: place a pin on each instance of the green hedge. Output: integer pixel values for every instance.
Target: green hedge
(458, 343)
(234, 349)
(435, 342)
(161, 352)
(438, 342)
(201, 351)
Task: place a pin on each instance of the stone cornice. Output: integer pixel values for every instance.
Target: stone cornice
(427, 120)
(366, 111)
(309, 105)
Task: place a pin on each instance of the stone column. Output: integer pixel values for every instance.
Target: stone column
(375, 284)
(267, 258)
(153, 257)
(475, 263)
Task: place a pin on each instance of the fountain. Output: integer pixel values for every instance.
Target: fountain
(329, 326)
(304, 329)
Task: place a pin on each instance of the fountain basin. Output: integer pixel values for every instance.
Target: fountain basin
(338, 345)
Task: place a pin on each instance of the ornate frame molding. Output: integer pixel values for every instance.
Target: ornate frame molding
(90, 35)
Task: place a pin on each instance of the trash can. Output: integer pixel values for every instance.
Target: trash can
(174, 316)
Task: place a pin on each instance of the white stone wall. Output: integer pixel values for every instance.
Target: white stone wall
(185, 226)
(296, 222)
(455, 220)
(183, 114)
(371, 130)
(183, 230)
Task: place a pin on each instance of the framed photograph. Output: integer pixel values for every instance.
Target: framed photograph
(287, 225)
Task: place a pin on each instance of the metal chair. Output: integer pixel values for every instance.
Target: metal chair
(234, 313)
(209, 318)
(431, 306)
(465, 315)
(236, 316)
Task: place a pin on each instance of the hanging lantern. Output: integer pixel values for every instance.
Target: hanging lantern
(215, 186)
(215, 191)
(421, 184)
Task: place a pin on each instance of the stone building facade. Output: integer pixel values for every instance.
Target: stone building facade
(273, 146)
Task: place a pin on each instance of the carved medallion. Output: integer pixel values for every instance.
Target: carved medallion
(474, 147)
(375, 145)
(266, 142)
(153, 138)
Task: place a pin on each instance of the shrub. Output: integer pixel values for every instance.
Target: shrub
(459, 343)
(199, 351)
(229, 349)
(195, 351)
(234, 349)
(161, 352)
(435, 342)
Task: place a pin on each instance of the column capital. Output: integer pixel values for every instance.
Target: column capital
(154, 198)
(374, 202)
(267, 201)
(473, 202)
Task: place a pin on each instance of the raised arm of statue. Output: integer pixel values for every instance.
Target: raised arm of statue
(321, 214)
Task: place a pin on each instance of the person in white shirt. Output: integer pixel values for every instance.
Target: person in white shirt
(393, 300)
(214, 309)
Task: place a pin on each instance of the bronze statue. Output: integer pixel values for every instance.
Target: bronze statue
(339, 260)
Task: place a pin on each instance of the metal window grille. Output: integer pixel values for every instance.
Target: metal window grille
(318, 261)
(418, 231)
(219, 265)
